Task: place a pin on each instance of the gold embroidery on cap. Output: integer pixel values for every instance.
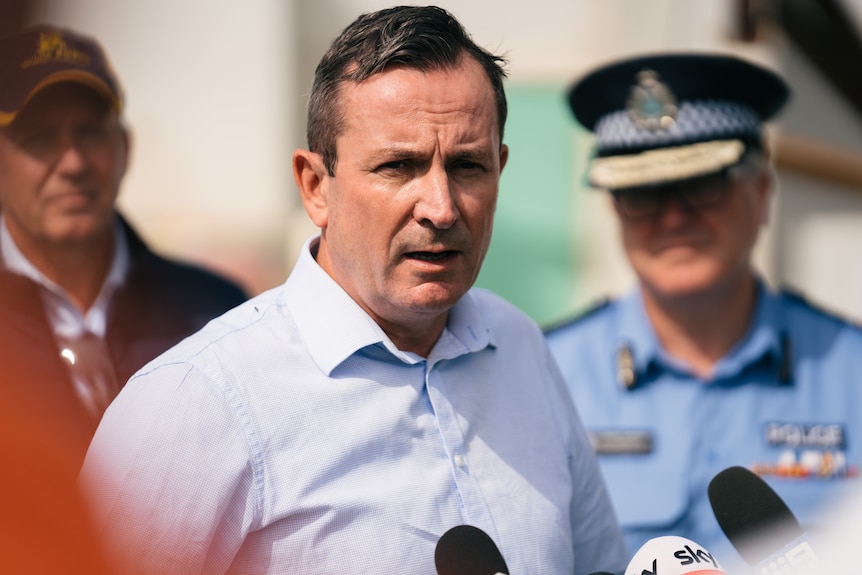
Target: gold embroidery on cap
(664, 164)
(52, 48)
(651, 104)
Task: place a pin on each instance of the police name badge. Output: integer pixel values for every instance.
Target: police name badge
(621, 442)
(806, 451)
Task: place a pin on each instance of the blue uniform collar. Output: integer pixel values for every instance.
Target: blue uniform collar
(765, 339)
(636, 334)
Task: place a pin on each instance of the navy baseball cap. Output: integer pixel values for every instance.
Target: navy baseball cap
(44, 55)
(669, 117)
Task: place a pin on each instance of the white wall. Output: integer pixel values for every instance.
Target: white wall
(819, 222)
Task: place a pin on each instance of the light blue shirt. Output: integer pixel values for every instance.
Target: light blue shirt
(786, 402)
(291, 436)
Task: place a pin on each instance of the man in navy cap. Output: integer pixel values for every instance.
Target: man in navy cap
(83, 302)
(703, 366)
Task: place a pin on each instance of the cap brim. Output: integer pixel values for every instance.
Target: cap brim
(78, 76)
(664, 165)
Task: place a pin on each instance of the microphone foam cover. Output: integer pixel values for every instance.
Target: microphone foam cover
(467, 550)
(673, 555)
(754, 518)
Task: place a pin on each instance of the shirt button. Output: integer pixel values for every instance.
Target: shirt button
(459, 460)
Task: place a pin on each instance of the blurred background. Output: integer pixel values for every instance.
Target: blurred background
(216, 93)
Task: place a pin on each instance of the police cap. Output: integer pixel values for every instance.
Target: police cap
(669, 117)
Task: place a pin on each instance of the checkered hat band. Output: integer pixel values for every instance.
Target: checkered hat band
(696, 121)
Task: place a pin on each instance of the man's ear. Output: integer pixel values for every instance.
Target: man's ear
(765, 183)
(125, 153)
(311, 178)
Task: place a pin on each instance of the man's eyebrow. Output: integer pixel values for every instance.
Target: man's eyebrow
(471, 152)
(395, 152)
(476, 152)
(482, 153)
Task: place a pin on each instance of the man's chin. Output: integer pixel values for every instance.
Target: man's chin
(79, 230)
(682, 284)
(433, 297)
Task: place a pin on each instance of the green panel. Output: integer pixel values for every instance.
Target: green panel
(531, 261)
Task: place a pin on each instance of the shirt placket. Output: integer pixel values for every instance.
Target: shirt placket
(475, 510)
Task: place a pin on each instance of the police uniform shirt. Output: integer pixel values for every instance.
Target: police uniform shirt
(784, 402)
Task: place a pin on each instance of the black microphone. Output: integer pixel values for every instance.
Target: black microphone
(467, 550)
(758, 523)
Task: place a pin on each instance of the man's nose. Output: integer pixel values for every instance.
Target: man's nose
(437, 200)
(71, 157)
(673, 209)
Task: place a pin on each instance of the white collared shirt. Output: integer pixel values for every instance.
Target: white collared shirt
(94, 386)
(290, 435)
(66, 318)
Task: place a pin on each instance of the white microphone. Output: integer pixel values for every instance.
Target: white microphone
(759, 524)
(673, 555)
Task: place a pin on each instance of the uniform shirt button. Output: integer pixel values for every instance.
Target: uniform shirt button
(459, 460)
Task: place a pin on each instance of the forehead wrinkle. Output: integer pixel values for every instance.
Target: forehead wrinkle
(420, 118)
(424, 117)
(464, 138)
(461, 151)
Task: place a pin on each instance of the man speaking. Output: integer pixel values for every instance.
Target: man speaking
(344, 421)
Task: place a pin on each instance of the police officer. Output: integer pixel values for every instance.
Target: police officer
(703, 366)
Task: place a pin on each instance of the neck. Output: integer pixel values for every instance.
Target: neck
(419, 338)
(701, 328)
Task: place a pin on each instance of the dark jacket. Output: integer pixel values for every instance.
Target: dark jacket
(160, 303)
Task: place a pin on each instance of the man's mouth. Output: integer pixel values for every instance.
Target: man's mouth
(430, 256)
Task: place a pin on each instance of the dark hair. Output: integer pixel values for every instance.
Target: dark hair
(420, 37)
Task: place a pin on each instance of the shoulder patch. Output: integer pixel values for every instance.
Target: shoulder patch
(588, 312)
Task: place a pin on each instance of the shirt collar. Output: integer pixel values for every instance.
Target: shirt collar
(16, 262)
(63, 314)
(636, 333)
(763, 338)
(335, 327)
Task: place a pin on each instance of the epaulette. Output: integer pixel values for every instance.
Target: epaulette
(591, 310)
(793, 294)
